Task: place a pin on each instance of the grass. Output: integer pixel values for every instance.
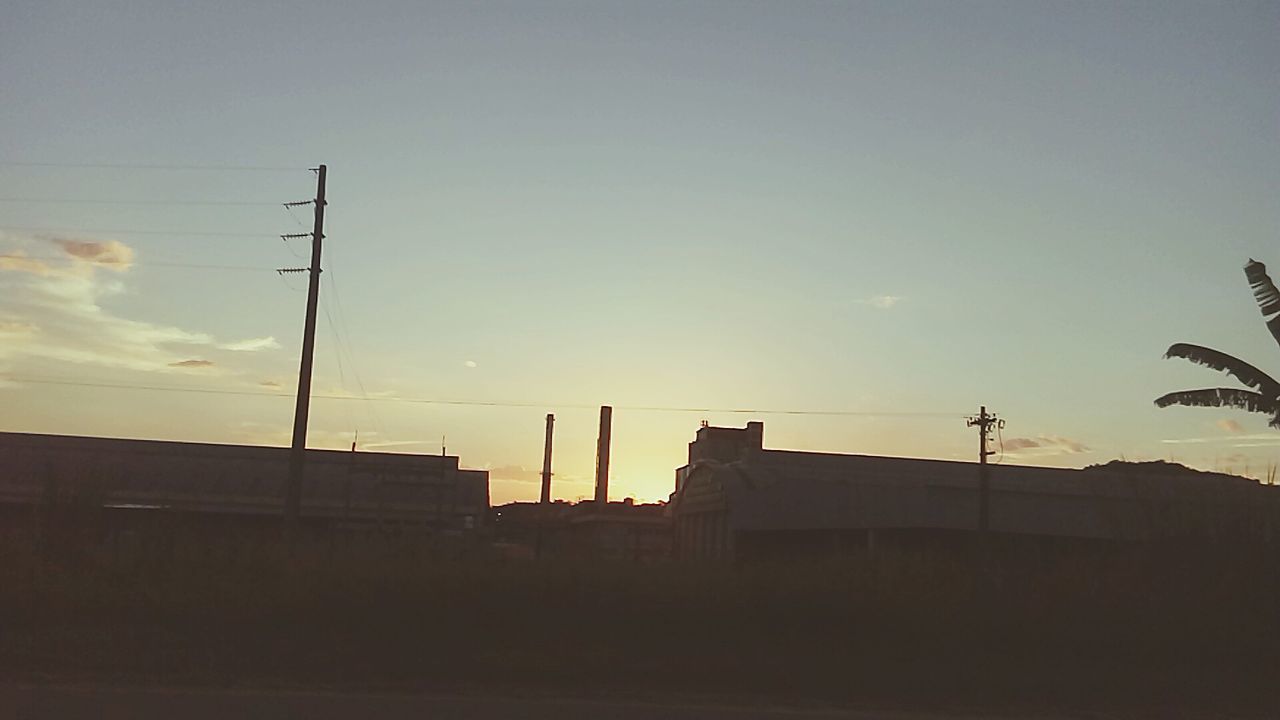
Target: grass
(1184, 626)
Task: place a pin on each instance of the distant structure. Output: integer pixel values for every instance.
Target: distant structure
(603, 443)
(617, 532)
(545, 497)
(735, 499)
(242, 482)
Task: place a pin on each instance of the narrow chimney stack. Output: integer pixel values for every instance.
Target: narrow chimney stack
(602, 457)
(546, 462)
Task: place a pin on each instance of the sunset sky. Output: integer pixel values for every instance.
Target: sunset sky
(897, 207)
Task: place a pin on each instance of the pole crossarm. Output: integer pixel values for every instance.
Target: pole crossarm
(984, 421)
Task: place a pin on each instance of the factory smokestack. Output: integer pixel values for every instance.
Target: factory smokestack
(602, 456)
(546, 463)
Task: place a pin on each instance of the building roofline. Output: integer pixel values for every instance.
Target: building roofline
(35, 440)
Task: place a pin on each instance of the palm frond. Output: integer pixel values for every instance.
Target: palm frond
(1225, 397)
(1266, 295)
(1246, 373)
(1221, 397)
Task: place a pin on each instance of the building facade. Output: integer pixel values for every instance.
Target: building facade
(618, 531)
(736, 499)
(427, 492)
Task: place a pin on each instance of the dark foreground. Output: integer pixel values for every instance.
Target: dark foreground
(1134, 633)
(98, 703)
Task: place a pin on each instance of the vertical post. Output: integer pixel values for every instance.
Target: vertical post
(984, 422)
(297, 452)
(546, 462)
(602, 458)
(544, 507)
(984, 480)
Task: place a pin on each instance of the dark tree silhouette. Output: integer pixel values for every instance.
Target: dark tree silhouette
(1265, 395)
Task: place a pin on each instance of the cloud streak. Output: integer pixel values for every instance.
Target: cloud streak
(252, 345)
(1231, 426)
(19, 262)
(192, 364)
(515, 472)
(112, 254)
(1257, 440)
(57, 311)
(882, 302)
(1044, 445)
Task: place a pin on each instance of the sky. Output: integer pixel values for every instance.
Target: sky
(897, 211)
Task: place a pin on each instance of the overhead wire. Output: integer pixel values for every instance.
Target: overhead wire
(105, 231)
(476, 403)
(151, 166)
(339, 329)
(125, 201)
(147, 263)
(332, 280)
(337, 355)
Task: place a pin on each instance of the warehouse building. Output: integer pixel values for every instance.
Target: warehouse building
(736, 499)
(424, 492)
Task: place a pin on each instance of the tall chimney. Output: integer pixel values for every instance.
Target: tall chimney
(546, 462)
(602, 457)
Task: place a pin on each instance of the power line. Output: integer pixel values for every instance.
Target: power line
(477, 403)
(99, 201)
(178, 233)
(148, 263)
(337, 355)
(149, 166)
(351, 357)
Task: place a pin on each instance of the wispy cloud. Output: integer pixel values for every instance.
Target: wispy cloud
(883, 302)
(18, 261)
(270, 384)
(112, 254)
(252, 432)
(1231, 426)
(514, 472)
(1247, 440)
(17, 328)
(1044, 445)
(400, 443)
(192, 364)
(522, 474)
(56, 310)
(469, 363)
(252, 345)
(1257, 441)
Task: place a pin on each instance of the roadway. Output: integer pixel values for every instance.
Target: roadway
(37, 702)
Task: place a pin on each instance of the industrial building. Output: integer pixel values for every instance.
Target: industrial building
(736, 499)
(424, 492)
(623, 531)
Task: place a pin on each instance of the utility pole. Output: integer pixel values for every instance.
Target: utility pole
(984, 423)
(544, 502)
(298, 451)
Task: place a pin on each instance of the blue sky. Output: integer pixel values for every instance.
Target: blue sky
(910, 207)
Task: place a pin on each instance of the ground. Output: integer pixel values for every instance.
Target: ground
(71, 702)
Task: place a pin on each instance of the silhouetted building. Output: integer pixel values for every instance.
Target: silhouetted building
(620, 531)
(736, 499)
(425, 492)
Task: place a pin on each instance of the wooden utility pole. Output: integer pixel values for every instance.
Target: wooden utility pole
(984, 423)
(298, 451)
